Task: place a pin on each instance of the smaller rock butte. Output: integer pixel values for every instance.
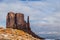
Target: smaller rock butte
(16, 21)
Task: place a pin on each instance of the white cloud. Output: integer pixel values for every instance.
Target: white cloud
(48, 33)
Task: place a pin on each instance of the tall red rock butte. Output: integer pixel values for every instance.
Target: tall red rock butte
(16, 21)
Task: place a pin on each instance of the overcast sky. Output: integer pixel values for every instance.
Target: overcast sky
(44, 14)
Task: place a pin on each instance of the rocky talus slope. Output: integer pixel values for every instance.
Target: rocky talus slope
(14, 34)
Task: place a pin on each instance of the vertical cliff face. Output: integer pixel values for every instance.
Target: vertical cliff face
(16, 21)
(19, 21)
(10, 20)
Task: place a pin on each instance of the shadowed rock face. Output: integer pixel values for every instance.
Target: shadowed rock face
(16, 21)
(20, 22)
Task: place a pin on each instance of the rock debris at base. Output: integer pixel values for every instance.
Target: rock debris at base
(14, 34)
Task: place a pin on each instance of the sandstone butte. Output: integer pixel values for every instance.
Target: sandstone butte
(15, 34)
(16, 21)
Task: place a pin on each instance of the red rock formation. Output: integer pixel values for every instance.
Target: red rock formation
(10, 23)
(16, 20)
(19, 21)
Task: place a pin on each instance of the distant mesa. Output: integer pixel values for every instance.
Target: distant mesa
(16, 21)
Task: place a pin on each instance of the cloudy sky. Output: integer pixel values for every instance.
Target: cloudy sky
(44, 14)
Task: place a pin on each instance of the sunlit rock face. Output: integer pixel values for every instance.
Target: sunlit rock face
(10, 20)
(16, 21)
